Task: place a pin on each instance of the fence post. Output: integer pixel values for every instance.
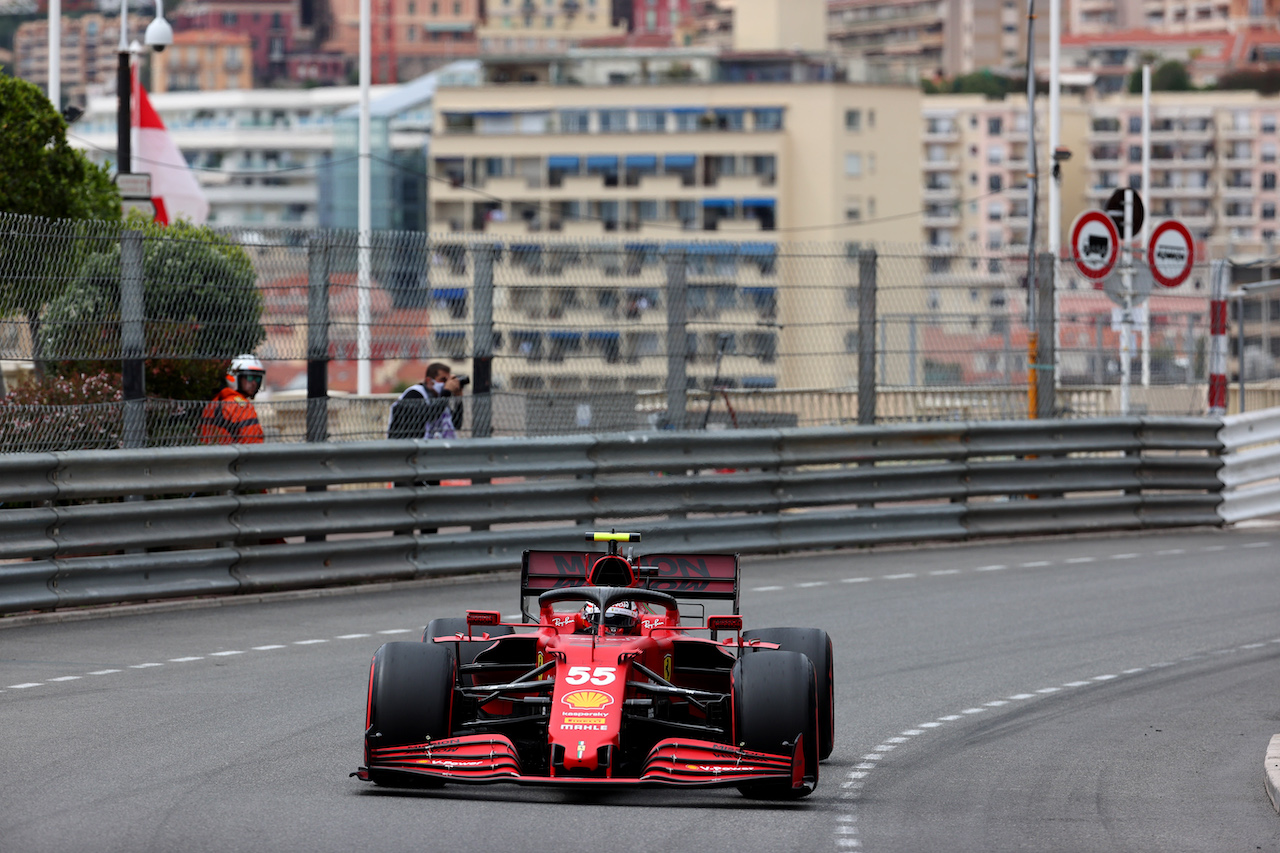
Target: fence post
(482, 345)
(677, 343)
(133, 343)
(1046, 346)
(867, 336)
(318, 339)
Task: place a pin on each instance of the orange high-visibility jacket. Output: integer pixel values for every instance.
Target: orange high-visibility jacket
(230, 419)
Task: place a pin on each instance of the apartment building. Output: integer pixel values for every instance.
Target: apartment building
(525, 26)
(418, 35)
(585, 181)
(914, 39)
(257, 152)
(206, 61)
(88, 56)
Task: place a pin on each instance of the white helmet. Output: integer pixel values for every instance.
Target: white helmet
(242, 365)
(621, 616)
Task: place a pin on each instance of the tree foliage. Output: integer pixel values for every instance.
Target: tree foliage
(1171, 76)
(40, 173)
(202, 307)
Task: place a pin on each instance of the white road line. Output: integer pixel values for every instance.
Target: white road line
(930, 725)
(902, 576)
(271, 647)
(1077, 683)
(308, 642)
(866, 765)
(886, 747)
(811, 584)
(361, 636)
(855, 580)
(105, 672)
(1081, 559)
(996, 703)
(895, 740)
(24, 686)
(973, 710)
(1048, 689)
(1137, 669)
(912, 732)
(1209, 548)
(1253, 646)
(1123, 556)
(1035, 564)
(66, 678)
(186, 659)
(946, 572)
(755, 589)
(393, 631)
(1020, 696)
(1256, 545)
(225, 654)
(950, 717)
(872, 756)
(994, 568)
(1171, 552)
(144, 665)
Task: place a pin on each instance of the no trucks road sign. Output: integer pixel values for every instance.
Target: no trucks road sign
(1095, 244)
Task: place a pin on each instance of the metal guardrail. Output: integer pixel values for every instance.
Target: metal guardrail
(114, 526)
(1250, 465)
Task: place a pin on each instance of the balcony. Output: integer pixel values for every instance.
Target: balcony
(949, 219)
(1239, 160)
(941, 135)
(1182, 191)
(948, 164)
(1238, 189)
(1233, 132)
(941, 193)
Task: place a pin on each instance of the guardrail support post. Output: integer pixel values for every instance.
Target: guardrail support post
(867, 336)
(677, 342)
(318, 339)
(1046, 350)
(133, 343)
(482, 335)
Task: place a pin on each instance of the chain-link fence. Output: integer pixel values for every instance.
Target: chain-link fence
(579, 335)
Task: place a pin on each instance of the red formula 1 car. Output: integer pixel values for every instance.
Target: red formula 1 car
(609, 686)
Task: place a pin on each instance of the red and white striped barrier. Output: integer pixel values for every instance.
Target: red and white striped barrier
(1218, 340)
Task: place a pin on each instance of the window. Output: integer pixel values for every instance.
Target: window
(871, 119)
(1268, 123)
(1268, 210)
(1135, 153)
(1135, 124)
(1268, 152)
(994, 126)
(853, 210)
(853, 165)
(687, 120)
(613, 121)
(730, 119)
(853, 120)
(995, 154)
(651, 121)
(995, 183)
(573, 121)
(1268, 180)
(768, 119)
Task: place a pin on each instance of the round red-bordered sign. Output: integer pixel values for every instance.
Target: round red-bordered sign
(1095, 244)
(1171, 253)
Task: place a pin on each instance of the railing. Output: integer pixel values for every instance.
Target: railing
(92, 527)
(1250, 465)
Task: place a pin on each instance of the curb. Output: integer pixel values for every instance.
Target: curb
(1271, 772)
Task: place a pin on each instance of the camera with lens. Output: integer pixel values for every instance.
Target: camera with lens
(463, 379)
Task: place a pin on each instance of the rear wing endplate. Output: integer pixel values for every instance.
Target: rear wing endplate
(685, 576)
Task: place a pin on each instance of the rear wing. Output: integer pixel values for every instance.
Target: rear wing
(685, 576)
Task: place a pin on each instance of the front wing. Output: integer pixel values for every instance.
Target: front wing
(676, 762)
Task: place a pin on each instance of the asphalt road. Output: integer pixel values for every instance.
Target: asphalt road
(1083, 694)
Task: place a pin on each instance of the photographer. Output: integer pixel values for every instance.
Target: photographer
(423, 411)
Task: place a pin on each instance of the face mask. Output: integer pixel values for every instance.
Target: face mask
(438, 386)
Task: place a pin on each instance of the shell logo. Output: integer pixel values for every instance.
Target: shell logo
(582, 700)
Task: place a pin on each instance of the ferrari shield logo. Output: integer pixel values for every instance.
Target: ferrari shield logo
(666, 668)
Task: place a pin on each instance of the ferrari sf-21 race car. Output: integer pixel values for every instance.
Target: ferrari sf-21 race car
(607, 684)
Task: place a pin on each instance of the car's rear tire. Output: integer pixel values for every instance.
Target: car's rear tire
(774, 702)
(410, 700)
(815, 644)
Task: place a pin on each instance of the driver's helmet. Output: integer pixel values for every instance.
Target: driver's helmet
(245, 365)
(619, 618)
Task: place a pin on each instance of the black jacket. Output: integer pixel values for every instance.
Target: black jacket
(417, 407)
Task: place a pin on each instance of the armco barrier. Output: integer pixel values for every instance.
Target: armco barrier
(113, 526)
(1250, 465)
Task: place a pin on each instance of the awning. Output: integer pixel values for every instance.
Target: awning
(759, 382)
(641, 161)
(559, 335)
(759, 250)
(602, 336)
(602, 163)
(640, 247)
(718, 203)
(449, 293)
(569, 164)
(730, 111)
(758, 202)
(759, 292)
(493, 114)
(451, 334)
(680, 161)
(689, 111)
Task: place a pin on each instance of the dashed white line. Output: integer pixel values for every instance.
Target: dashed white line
(393, 631)
(105, 672)
(1256, 545)
(912, 732)
(226, 654)
(1082, 559)
(855, 580)
(929, 725)
(898, 739)
(996, 703)
(945, 572)
(899, 577)
(1035, 564)
(1048, 689)
(1021, 696)
(66, 678)
(186, 659)
(1171, 552)
(362, 636)
(1123, 556)
(1210, 548)
(1077, 683)
(1138, 669)
(271, 647)
(811, 584)
(24, 686)
(756, 589)
(994, 568)
(950, 717)
(973, 710)
(1253, 646)
(144, 665)
(308, 642)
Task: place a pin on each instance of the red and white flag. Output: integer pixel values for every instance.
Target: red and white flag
(174, 188)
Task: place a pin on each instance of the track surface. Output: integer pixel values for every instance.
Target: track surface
(1081, 694)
